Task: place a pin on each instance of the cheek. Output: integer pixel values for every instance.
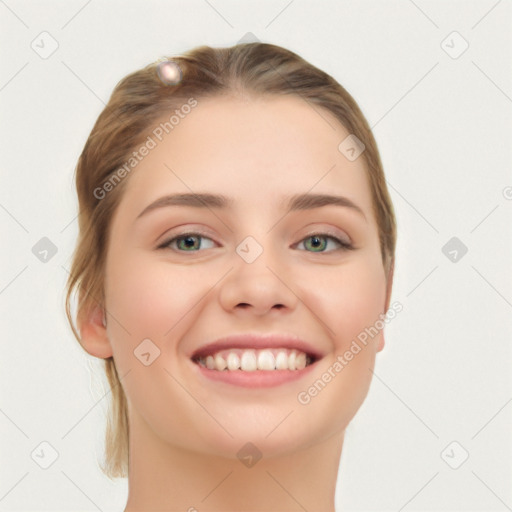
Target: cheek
(155, 301)
(363, 300)
(151, 296)
(150, 300)
(350, 299)
(349, 303)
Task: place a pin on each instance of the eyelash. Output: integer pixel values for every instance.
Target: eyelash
(344, 246)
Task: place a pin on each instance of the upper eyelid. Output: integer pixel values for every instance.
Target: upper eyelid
(188, 231)
(329, 232)
(335, 232)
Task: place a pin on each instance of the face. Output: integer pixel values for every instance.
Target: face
(250, 267)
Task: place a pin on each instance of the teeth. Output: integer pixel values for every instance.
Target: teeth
(220, 363)
(300, 361)
(248, 362)
(251, 360)
(266, 360)
(282, 361)
(233, 361)
(291, 361)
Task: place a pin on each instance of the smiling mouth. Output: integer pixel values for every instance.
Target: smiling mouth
(249, 360)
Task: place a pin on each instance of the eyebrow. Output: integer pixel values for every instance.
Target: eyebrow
(296, 202)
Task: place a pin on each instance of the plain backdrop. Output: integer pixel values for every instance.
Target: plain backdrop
(434, 80)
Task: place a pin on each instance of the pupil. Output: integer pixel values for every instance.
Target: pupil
(189, 241)
(316, 241)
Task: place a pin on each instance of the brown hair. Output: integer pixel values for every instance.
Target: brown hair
(136, 103)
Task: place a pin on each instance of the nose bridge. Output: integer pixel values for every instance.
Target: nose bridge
(258, 276)
(258, 244)
(250, 249)
(261, 259)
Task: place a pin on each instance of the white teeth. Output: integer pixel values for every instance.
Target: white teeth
(282, 361)
(250, 360)
(233, 361)
(300, 361)
(266, 360)
(291, 361)
(220, 363)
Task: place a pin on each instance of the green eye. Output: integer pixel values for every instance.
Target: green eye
(319, 242)
(188, 242)
(192, 242)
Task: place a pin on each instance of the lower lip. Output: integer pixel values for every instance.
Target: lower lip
(256, 378)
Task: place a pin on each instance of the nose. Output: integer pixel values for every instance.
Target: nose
(259, 286)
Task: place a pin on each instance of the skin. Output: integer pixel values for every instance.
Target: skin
(185, 431)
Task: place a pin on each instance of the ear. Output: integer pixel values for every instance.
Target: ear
(389, 287)
(93, 333)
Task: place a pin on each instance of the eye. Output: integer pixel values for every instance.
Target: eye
(318, 244)
(189, 242)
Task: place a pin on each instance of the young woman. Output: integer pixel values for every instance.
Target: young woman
(234, 269)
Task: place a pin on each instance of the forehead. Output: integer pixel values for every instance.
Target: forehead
(251, 149)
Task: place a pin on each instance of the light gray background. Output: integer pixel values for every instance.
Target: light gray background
(443, 128)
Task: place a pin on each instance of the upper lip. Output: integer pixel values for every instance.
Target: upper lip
(258, 341)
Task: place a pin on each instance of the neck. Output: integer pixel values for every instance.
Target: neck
(165, 477)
